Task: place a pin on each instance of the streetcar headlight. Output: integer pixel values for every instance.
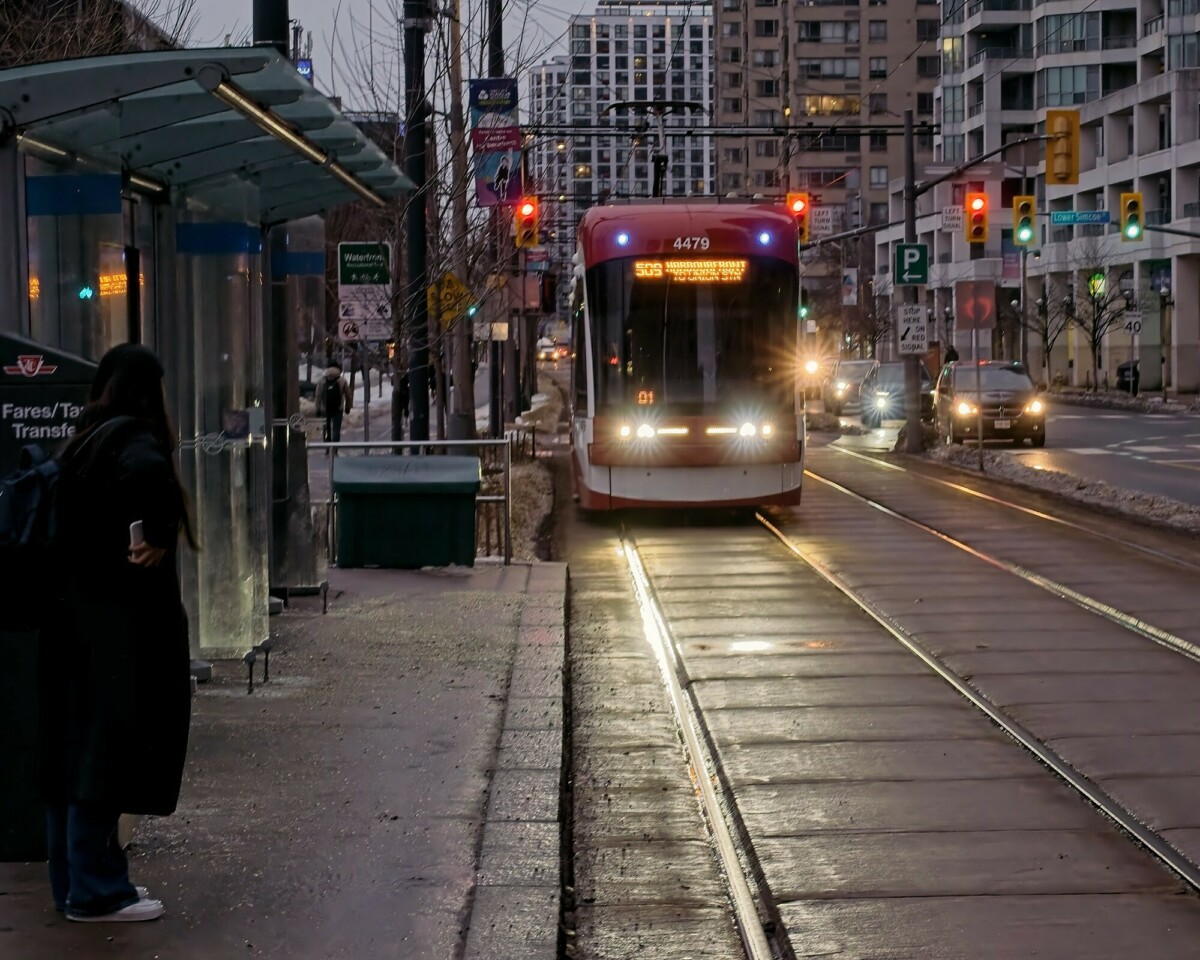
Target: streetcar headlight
(767, 430)
(965, 409)
(748, 430)
(625, 432)
(811, 367)
(1034, 407)
(841, 387)
(645, 431)
(881, 401)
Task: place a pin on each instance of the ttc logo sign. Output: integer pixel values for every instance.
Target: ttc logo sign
(30, 365)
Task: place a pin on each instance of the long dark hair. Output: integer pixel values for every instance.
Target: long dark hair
(129, 383)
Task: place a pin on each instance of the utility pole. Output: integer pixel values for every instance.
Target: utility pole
(461, 425)
(495, 384)
(913, 433)
(416, 22)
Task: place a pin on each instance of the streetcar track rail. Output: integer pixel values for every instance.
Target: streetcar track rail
(1098, 607)
(761, 937)
(1020, 508)
(1100, 799)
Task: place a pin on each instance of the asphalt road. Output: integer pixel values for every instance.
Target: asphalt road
(1151, 453)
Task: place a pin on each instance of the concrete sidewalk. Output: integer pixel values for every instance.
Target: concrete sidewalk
(392, 792)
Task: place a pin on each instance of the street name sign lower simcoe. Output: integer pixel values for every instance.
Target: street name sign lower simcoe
(1067, 218)
(910, 323)
(365, 289)
(912, 264)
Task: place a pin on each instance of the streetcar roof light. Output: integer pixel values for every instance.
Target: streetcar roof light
(764, 238)
(622, 238)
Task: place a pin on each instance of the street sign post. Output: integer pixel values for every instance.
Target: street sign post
(912, 264)
(364, 291)
(914, 333)
(1069, 218)
(952, 218)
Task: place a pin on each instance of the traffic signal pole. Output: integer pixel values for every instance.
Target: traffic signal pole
(495, 42)
(912, 364)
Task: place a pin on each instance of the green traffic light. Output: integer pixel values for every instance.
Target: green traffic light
(803, 312)
(1133, 230)
(1025, 233)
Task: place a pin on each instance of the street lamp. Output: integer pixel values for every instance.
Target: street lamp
(1164, 300)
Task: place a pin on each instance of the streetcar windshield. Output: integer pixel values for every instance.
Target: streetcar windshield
(693, 335)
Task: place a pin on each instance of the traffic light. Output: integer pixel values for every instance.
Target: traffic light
(977, 218)
(798, 207)
(803, 304)
(1024, 214)
(1132, 220)
(1062, 151)
(526, 221)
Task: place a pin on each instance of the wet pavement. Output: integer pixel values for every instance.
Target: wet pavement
(393, 791)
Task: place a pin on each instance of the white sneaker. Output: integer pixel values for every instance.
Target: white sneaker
(143, 893)
(144, 909)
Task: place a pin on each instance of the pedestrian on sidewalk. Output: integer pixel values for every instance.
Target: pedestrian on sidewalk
(333, 400)
(951, 354)
(114, 680)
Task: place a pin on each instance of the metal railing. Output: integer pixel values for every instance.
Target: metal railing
(503, 500)
(1152, 26)
(1191, 209)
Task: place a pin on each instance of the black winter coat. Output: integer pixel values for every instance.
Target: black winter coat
(114, 682)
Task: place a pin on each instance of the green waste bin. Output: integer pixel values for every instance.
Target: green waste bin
(406, 512)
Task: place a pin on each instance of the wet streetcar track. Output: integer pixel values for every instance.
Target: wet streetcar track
(804, 711)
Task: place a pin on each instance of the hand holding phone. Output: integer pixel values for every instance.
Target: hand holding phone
(136, 535)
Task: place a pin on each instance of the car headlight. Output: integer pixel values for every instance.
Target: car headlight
(841, 387)
(965, 410)
(1034, 407)
(645, 431)
(881, 401)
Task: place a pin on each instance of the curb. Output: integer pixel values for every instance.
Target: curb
(1102, 402)
(518, 885)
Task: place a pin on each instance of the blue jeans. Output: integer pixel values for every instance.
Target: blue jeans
(88, 871)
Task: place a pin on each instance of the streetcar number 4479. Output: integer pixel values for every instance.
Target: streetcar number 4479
(691, 243)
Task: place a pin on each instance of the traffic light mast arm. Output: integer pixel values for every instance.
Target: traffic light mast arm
(1177, 232)
(926, 185)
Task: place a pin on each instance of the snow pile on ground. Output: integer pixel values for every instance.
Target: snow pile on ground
(1114, 400)
(1093, 493)
(828, 423)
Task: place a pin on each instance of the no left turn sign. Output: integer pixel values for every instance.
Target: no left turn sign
(348, 330)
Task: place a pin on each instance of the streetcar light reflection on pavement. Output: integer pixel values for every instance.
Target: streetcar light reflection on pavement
(749, 646)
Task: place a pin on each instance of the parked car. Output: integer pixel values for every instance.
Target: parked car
(882, 394)
(1006, 396)
(1128, 376)
(840, 390)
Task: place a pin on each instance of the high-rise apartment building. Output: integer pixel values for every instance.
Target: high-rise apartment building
(597, 111)
(1130, 71)
(784, 64)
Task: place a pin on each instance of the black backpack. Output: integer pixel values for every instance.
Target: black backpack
(332, 397)
(28, 527)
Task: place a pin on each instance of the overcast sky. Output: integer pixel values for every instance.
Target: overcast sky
(534, 29)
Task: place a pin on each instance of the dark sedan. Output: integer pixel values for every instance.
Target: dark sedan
(883, 394)
(998, 393)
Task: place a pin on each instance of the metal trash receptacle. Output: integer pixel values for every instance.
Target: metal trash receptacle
(406, 512)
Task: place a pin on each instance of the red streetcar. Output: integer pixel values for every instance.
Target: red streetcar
(685, 328)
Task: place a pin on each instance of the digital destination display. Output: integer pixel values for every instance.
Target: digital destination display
(690, 271)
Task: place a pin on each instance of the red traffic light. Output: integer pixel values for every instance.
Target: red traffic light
(978, 203)
(527, 208)
(798, 205)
